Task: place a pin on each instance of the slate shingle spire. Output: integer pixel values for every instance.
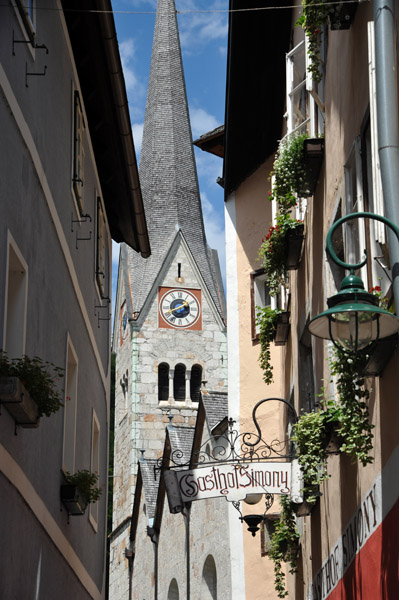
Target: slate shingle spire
(167, 168)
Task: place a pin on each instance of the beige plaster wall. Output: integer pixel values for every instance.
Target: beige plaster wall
(253, 219)
(347, 99)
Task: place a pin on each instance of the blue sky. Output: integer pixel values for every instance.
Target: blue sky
(203, 35)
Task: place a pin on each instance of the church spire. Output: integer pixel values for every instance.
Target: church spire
(168, 172)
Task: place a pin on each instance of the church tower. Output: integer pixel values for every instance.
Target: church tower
(169, 330)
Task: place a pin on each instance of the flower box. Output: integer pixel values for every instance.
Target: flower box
(73, 500)
(313, 155)
(282, 328)
(304, 509)
(18, 402)
(334, 442)
(293, 247)
(380, 355)
(342, 14)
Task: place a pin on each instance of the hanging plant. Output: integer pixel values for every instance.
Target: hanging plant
(347, 415)
(289, 171)
(313, 19)
(311, 435)
(38, 377)
(272, 252)
(284, 544)
(86, 482)
(355, 427)
(266, 319)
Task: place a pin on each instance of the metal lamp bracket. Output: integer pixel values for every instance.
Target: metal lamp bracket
(35, 46)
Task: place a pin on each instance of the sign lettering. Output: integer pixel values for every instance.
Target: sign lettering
(235, 481)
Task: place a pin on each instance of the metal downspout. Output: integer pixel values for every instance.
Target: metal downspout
(387, 123)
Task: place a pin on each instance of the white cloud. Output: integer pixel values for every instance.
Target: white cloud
(134, 85)
(138, 137)
(202, 121)
(209, 167)
(198, 29)
(214, 227)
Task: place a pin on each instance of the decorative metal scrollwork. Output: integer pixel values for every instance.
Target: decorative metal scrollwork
(233, 447)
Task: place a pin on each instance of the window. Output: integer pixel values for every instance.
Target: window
(70, 402)
(305, 108)
(27, 12)
(95, 464)
(307, 400)
(173, 593)
(101, 263)
(163, 382)
(179, 383)
(16, 302)
(195, 383)
(78, 152)
(259, 297)
(355, 242)
(209, 580)
(297, 104)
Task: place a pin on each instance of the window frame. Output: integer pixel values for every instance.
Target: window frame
(70, 395)
(94, 466)
(26, 16)
(15, 327)
(78, 152)
(101, 251)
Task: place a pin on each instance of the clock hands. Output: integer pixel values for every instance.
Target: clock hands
(184, 303)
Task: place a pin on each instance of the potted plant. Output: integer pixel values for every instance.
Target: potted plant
(28, 389)
(347, 417)
(273, 251)
(284, 545)
(282, 328)
(296, 169)
(341, 14)
(311, 435)
(314, 17)
(80, 490)
(293, 246)
(267, 319)
(353, 413)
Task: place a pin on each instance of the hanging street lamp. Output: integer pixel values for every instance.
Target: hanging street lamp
(354, 319)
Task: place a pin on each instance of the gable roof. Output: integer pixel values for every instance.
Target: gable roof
(216, 408)
(167, 167)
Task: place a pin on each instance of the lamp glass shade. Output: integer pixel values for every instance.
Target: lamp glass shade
(253, 498)
(354, 325)
(354, 329)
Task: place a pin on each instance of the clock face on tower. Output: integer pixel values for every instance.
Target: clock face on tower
(180, 308)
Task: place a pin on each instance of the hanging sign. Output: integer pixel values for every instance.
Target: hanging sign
(233, 481)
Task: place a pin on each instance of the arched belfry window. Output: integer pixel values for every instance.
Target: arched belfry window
(173, 593)
(195, 383)
(209, 580)
(163, 382)
(179, 382)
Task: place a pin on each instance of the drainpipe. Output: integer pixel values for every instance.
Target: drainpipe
(387, 123)
(154, 536)
(186, 514)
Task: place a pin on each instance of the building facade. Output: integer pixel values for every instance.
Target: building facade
(348, 544)
(170, 331)
(60, 207)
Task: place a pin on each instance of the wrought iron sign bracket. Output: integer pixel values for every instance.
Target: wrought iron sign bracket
(236, 448)
(33, 74)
